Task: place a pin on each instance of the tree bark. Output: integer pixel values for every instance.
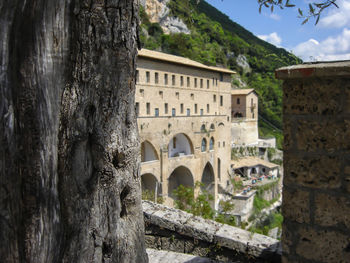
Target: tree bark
(69, 183)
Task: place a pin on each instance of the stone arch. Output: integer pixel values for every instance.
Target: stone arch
(180, 176)
(208, 181)
(148, 152)
(211, 143)
(180, 145)
(149, 183)
(212, 126)
(204, 145)
(221, 124)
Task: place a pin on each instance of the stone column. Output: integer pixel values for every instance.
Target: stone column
(316, 191)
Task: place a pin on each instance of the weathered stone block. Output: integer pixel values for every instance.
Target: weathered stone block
(331, 211)
(296, 206)
(329, 135)
(314, 172)
(287, 239)
(323, 246)
(347, 100)
(287, 133)
(172, 244)
(312, 97)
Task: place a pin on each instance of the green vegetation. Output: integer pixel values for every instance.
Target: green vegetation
(272, 221)
(149, 195)
(238, 185)
(216, 40)
(270, 153)
(200, 206)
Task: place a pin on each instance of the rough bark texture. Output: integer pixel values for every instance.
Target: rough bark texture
(69, 186)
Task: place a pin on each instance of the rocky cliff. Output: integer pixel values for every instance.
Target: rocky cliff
(158, 12)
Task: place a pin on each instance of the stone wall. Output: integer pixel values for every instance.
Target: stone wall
(175, 230)
(316, 200)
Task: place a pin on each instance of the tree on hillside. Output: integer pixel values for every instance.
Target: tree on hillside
(69, 185)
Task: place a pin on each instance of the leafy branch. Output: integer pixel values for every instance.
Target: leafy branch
(314, 11)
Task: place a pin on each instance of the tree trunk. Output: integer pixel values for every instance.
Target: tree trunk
(69, 183)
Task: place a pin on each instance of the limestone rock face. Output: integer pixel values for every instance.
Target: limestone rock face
(243, 63)
(158, 12)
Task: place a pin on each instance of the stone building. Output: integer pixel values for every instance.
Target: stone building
(184, 120)
(244, 116)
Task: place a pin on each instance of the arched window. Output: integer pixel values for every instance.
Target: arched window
(238, 115)
(211, 144)
(204, 145)
(203, 128)
(148, 152)
(180, 145)
(212, 127)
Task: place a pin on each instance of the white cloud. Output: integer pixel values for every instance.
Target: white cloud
(337, 17)
(275, 17)
(332, 48)
(272, 38)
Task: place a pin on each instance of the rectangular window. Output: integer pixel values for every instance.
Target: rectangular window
(166, 108)
(137, 109)
(182, 81)
(148, 108)
(148, 77)
(214, 98)
(137, 76)
(201, 112)
(174, 142)
(161, 94)
(182, 108)
(221, 101)
(142, 92)
(173, 112)
(238, 101)
(208, 109)
(195, 82)
(201, 83)
(223, 144)
(213, 81)
(165, 79)
(221, 77)
(188, 81)
(216, 82)
(195, 108)
(173, 80)
(208, 83)
(177, 95)
(188, 112)
(156, 78)
(156, 112)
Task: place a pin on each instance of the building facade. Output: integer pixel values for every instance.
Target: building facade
(244, 116)
(184, 121)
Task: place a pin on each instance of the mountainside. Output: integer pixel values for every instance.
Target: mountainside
(202, 33)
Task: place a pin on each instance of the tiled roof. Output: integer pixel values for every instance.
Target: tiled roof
(241, 91)
(251, 161)
(180, 60)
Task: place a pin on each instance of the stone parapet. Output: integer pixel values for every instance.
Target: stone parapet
(175, 230)
(316, 201)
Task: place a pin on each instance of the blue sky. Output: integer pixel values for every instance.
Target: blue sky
(328, 40)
